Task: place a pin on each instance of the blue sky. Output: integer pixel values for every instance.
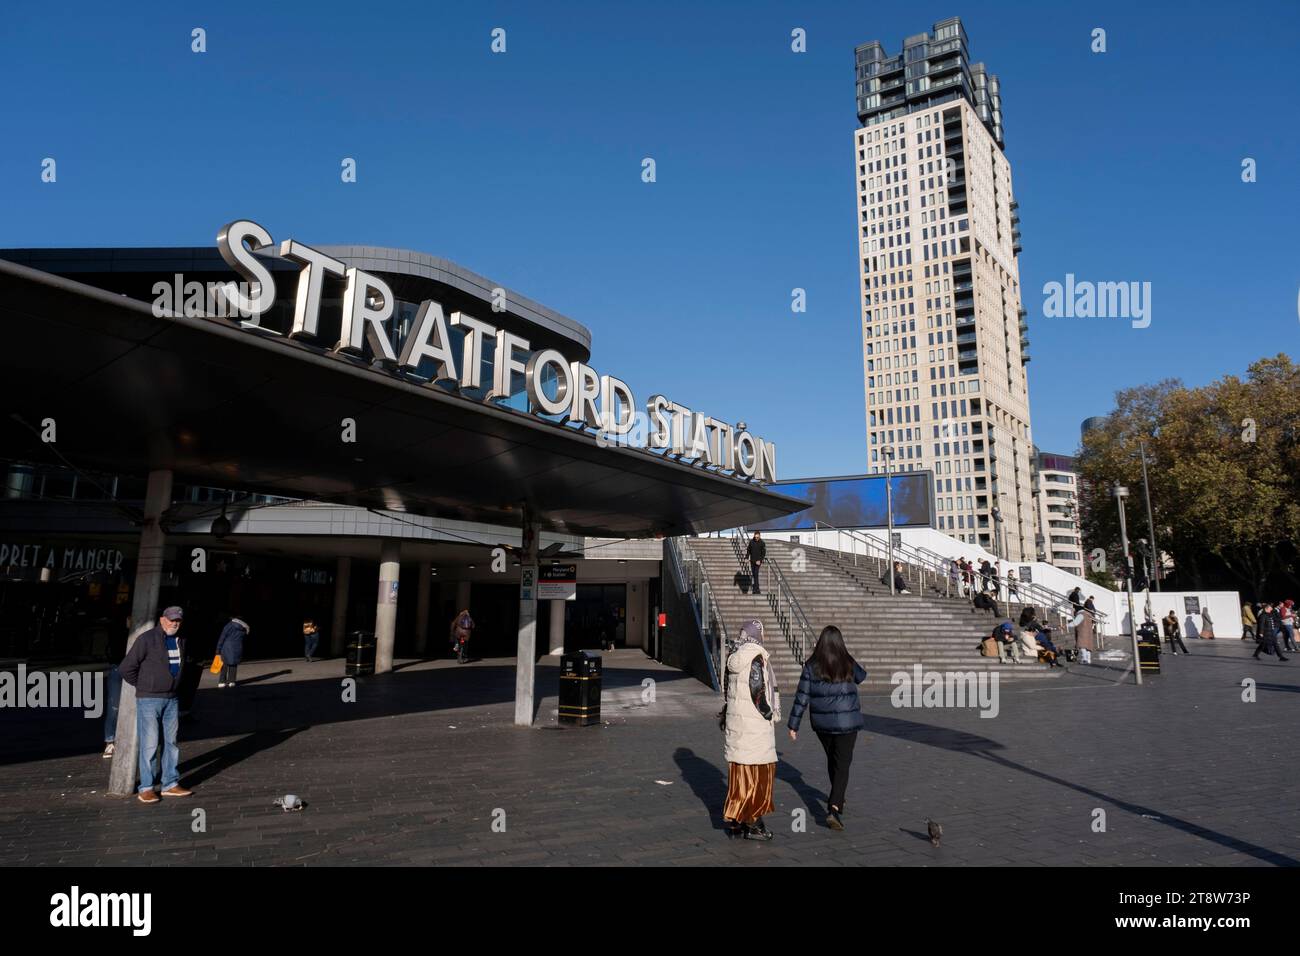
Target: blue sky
(526, 167)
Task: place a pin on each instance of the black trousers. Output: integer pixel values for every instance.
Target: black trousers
(839, 757)
(1269, 642)
(1176, 643)
(228, 673)
(753, 571)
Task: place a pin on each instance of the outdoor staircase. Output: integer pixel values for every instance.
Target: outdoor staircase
(885, 633)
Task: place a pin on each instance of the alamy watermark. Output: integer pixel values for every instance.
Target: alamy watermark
(1103, 300)
(196, 299)
(80, 690)
(921, 688)
(77, 909)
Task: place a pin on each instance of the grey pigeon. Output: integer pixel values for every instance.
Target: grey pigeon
(936, 831)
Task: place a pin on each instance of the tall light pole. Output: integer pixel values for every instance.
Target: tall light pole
(1151, 524)
(999, 542)
(1120, 494)
(888, 452)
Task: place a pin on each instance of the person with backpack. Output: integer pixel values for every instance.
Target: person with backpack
(752, 706)
(828, 690)
(461, 626)
(230, 648)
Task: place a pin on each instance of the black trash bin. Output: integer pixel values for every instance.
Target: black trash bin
(1149, 656)
(580, 688)
(361, 654)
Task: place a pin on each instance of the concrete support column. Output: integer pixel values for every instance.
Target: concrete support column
(422, 608)
(525, 665)
(339, 619)
(122, 773)
(390, 556)
(557, 627)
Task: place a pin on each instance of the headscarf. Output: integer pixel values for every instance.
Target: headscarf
(751, 632)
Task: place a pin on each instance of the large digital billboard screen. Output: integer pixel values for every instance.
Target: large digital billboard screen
(857, 502)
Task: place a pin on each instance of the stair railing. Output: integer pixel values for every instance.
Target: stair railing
(796, 630)
(921, 561)
(691, 581)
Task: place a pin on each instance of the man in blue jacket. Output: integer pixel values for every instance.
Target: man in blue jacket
(153, 667)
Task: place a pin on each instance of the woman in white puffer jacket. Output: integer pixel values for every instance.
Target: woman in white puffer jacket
(750, 719)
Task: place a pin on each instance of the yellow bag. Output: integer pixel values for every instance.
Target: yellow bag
(217, 664)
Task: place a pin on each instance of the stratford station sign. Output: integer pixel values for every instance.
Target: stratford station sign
(555, 385)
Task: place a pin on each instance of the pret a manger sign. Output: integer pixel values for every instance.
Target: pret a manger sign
(575, 390)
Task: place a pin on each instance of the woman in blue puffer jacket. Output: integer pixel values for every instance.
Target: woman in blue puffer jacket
(230, 645)
(828, 690)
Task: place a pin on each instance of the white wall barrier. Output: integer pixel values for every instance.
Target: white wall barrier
(1224, 606)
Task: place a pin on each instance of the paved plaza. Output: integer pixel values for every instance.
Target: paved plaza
(425, 762)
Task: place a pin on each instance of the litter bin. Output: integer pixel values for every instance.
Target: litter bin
(361, 654)
(1149, 656)
(580, 688)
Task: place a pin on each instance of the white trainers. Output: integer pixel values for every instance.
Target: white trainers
(221, 684)
(108, 751)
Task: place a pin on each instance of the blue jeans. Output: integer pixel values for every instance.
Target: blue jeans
(114, 682)
(311, 642)
(149, 711)
(1288, 637)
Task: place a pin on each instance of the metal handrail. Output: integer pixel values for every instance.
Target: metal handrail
(939, 567)
(688, 572)
(794, 624)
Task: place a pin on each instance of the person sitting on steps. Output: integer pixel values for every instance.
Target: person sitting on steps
(900, 583)
(1008, 646)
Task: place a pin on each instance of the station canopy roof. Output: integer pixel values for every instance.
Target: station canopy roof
(130, 392)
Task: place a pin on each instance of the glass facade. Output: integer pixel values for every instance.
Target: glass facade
(933, 69)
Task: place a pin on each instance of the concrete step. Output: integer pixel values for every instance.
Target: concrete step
(885, 632)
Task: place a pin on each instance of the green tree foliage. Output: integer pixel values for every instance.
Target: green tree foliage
(1224, 468)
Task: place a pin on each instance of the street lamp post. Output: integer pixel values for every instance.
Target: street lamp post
(1151, 524)
(889, 513)
(1120, 494)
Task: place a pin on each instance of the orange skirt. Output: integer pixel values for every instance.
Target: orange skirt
(749, 791)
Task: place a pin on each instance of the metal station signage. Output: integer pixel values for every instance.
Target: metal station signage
(557, 582)
(577, 392)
